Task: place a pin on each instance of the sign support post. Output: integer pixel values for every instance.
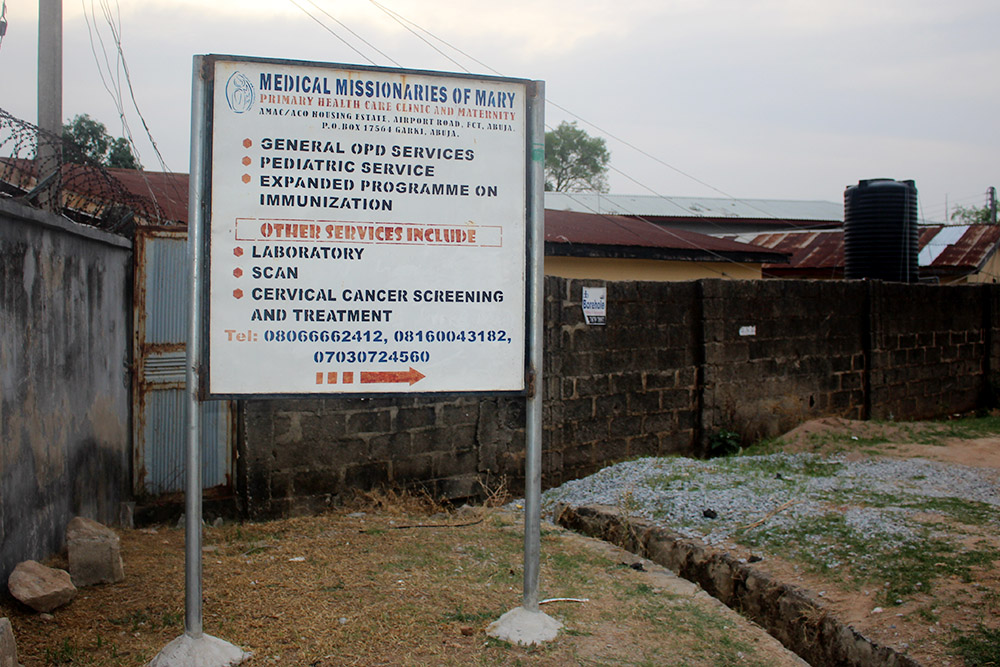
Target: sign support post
(526, 624)
(536, 318)
(194, 648)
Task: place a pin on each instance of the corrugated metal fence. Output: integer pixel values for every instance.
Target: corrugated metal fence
(162, 278)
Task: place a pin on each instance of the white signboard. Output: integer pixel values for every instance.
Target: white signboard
(367, 231)
(595, 305)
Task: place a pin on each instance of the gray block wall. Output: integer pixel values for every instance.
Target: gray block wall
(675, 363)
(65, 335)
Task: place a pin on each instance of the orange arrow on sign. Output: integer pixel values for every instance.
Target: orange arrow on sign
(411, 376)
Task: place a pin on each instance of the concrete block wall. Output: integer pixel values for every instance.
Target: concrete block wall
(622, 390)
(778, 353)
(675, 363)
(929, 349)
(301, 456)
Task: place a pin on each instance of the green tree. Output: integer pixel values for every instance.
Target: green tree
(93, 140)
(575, 161)
(972, 215)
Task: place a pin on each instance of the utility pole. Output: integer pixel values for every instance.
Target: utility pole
(48, 159)
(991, 203)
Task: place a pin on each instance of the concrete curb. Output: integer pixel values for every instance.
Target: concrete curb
(788, 613)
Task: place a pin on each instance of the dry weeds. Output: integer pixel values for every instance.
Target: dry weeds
(396, 583)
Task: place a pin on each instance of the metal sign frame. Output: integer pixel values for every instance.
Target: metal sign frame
(398, 377)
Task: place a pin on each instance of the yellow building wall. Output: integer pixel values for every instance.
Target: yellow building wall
(647, 269)
(990, 272)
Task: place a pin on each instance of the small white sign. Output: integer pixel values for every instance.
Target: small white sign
(595, 305)
(749, 330)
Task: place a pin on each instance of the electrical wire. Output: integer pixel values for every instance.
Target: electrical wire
(403, 22)
(659, 161)
(369, 44)
(406, 23)
(669, 232)
(113, 84)
(450, 46)
(399, 18)
(329, 30)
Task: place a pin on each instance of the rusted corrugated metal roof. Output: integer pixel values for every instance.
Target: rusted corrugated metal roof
(588, 233)
(153, 197)
(169, 191)
(944, 249)
(814, 250)
(970, 250)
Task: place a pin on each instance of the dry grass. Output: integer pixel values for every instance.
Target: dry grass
(396, 584)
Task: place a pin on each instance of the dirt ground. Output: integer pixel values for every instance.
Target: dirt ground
(391, 584)
(396, 582)
(923, 625)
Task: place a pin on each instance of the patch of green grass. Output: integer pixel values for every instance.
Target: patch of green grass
(139, 618)
(572, 632)
(66, 653)
(969, 512)
(256, 549)
(981, 648)
(460, 616)
(829, 545)
(969, 428)
(563, 562)
(765, 446)
(772, 466)
(133, 620)
(171, 618)
(643, 589)
(963, 428)
(668, 480)
(714, 642)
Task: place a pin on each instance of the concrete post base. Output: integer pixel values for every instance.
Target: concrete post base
(520, 626)
(205, 651)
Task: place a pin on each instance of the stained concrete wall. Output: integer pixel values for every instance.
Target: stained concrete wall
(65, 335)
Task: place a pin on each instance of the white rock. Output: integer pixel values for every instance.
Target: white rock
(41, 588)
(94, 553)
(8, 648)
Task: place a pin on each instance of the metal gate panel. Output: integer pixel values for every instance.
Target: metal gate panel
(162, 279)
(166, 440)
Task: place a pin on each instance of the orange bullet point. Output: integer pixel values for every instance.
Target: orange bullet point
(246, 178)
(238, 293)
(238, 273)
(246, 161)
(247, 143)
(238, 251)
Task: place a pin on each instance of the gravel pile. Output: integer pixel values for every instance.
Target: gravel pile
(713, 500)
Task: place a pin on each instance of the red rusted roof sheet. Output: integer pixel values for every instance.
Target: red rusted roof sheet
(169, 191)
(944, 250)
(570, 228)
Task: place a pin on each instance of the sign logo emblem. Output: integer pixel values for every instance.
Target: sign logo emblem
(239, 93)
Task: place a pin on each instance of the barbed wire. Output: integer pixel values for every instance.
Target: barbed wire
(87, 192)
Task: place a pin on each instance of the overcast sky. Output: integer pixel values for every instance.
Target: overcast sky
(781, 99)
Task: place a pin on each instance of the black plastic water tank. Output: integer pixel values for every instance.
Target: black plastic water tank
(880, 230)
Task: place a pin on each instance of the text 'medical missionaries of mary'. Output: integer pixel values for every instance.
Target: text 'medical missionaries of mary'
(367, 231)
